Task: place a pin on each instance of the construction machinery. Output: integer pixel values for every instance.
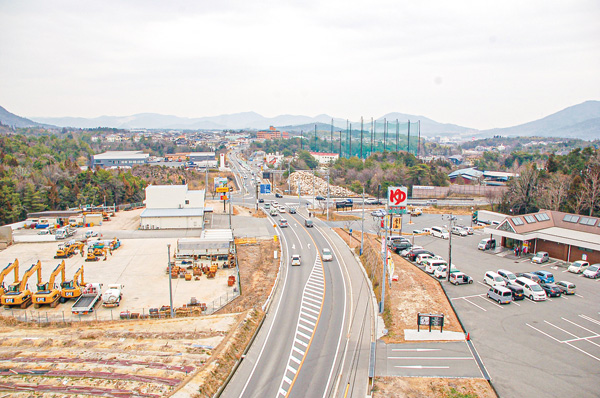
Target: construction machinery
(67, 249)
(48, 293)
(96, 253)
(112, 297)
(18, 293)
(72, 289)
(14, 266)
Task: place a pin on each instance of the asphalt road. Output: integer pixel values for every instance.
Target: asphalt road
(316, 337)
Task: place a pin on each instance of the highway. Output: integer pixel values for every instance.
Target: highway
(317, 334)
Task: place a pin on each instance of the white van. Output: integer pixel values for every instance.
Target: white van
(432, 265)
(440, 232)
(531, 289)
(493, 279)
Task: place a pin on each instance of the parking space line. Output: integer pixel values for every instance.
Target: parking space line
(465, 297)
(589, 319)
(583, 338)
(416, 349)
(578, 295)
(515, 303)
(544, 333)
(483, 284)
(585, 352)
(481, 308)
(437, 358)
(561, 329)
(573, 323)
(489, 300)
(421, 367)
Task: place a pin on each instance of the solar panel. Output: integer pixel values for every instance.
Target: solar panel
(517, 221)
(529, 219)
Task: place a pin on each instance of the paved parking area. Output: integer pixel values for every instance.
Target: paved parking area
(449, 359)
(549, 348)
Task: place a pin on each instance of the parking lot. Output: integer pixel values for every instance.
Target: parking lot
(529, 348)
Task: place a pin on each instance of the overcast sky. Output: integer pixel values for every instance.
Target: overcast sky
(479, 64)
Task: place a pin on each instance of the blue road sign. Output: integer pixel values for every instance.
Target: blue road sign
(265, 188)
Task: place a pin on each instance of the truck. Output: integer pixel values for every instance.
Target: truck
(64, 233)
(488, 217)
(88, 300)
(112, 297)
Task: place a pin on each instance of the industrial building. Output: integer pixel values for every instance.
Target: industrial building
(325, 157)
(173, 207)
(115, 159)
(565, 236)
(203, 159)
(213, 247)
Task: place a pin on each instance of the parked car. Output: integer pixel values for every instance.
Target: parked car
(578, 267)
(292, 210)
(414, 254)
(552, 290)
(308, 223)
(458, 278)
(500, 294)
(593, 271)
(517, 291)
(456, 230)
(531, 289)
(432, 265)
(378, 213)
(295, 259)
(508, 276)
(493, 279)
(442, 272)
(440, 232)
(423, 256)
(567, 287)
(469, 230)
(399, 246)
(540, 257)
(90, 234)
(319, 197)
(327, 256)
(530, 275)
(417, 231)
(487, 243)
(545, 276)
(406, 252)
(416, 212)
(278, 195)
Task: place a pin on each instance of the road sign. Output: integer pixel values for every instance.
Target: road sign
(224, 197)
(265, 188)
(222, 189)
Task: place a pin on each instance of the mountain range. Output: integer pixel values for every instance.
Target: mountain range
(578, 121)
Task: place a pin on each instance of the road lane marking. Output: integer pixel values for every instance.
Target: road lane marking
(463, 297)
(417, 349)
(589, 319)
(437, 358)
(421, 367)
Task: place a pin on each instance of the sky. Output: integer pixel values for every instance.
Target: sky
(480, 64)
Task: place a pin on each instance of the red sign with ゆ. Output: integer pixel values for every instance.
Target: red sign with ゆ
(397, 196)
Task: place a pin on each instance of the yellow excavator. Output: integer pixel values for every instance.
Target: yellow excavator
(66, 250)
(47, 293)
(10, 267)
(18, 293)
(96, 253)
(72, 289)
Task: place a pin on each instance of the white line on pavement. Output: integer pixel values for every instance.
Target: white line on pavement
(573, 323)
(561, 329)
(481, 308)
(422, 367)
(416, 349)
(438, 358)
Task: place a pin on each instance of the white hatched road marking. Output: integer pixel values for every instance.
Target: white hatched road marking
(308, 306)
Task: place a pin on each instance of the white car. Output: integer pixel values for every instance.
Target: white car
(327, 256)
(540, 257)
(432, 265)
(459, 231)
(424, 256)
(281, 209)
(295, 259)
(578, 267)
(442, 272)
(91, 234)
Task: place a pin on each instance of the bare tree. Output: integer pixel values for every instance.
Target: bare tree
(523, 190)
(493, 196)
(591, 184)
(554, 192)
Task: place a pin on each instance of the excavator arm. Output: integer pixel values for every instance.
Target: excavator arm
(60, 268)
(37, 267)
(10, 267)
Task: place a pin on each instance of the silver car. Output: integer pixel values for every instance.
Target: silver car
(566, 287)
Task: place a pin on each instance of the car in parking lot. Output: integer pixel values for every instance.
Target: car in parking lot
(426, 230)
(545, 276)
(413, 254)
(593, 271)
(469, 230)
(442, 272)
(327, 256)
(487, 243)
(500, 294)
(567, 287)
(517, 291)
(416, 212)
(423, 256)
(530, 275)
(399, 246)
(378, 213)
(531, 289)
(540, 257)
(432, 265)
(406, 252)
(508, 276)
(552, 290)
(456, 230)
(578, 267)
(296, 259)
(493, 279)
(459, 278)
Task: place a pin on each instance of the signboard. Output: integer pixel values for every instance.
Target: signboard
(220, 182)
(396, 199)
(224, 197)
(222, 189)
(431, 320)
(391, 268)
(265, 188)
(397, 223)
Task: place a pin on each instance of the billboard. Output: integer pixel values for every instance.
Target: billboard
(396, 199)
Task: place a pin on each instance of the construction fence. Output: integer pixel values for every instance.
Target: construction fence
(122, 313)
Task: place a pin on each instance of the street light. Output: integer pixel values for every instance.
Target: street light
(170, 279)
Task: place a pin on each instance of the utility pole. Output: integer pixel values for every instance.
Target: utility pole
(372, 132)
(449, 248)
(385, 260)
(384, 134)
(419, 143)
(327, 196)
(350, 142)
(397, 135)
(340, 143)
(408, 146)
(230, 204)
(375, 130)
(256, 185)
(362, 225)
(316, 145)
(170, 279)
(331, 138)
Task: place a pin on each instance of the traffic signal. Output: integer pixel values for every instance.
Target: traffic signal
(475, 216)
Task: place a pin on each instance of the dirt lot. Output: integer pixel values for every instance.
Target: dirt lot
(414, 291)
(421, 387)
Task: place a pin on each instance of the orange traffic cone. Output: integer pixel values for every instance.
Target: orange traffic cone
(468, 336)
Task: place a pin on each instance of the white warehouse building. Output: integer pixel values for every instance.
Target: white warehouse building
(172, 207)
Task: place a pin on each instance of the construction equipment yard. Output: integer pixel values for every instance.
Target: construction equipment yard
(139, 264)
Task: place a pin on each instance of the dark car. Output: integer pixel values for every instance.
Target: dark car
(531, 276)
(292, 210)
(552, 290)
(308, 223)
(414, 253)
(278, 195)
(261, 200)
(319, 197)
(517, 291)
(399, 245)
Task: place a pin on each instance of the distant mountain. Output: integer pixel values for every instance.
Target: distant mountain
(578, 121)
(10, 119)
